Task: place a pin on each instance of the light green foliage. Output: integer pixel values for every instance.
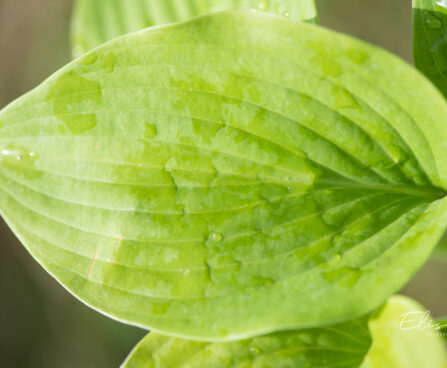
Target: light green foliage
(404, 337)
(430, 40)
(233, 175)
(342, 345)
(95, 22)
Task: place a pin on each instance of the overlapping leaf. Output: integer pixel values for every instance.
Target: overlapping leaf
(404, 336)
(229, 176)
(95, 22)
(430, 40)
(441, 251)
(343, 345)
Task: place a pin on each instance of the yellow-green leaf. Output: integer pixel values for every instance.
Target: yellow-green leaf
(404, 336)
(233, 175)
(395, 336)
(97, 21)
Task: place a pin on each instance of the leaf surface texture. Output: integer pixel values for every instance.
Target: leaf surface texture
(233, 175)
(373, 341)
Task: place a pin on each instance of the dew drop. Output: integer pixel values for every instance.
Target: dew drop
(432, 21)
(21, 160)
(357, 56)
(216, 237)
(255, 350)
(263, 5)
(282, 10)
(90, 59)
(78, 50)
(150, 131)
(18, 155)
(108, 62)
(337, 258)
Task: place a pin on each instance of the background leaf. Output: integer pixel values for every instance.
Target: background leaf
(402, 340)
(443, 327)
(342, 345)
(95, 22)
(441, 250)
(183, 179)
(430, 40)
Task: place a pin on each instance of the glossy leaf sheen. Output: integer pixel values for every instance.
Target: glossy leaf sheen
(95, 22)
(343, 345)
(229, 176)
(430, 40)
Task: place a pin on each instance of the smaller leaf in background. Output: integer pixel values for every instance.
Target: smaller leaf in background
(95, 22)
(344, 346)
(376, 341)
(430, 40)
(403, 336)
(440, 251)
(442, 326)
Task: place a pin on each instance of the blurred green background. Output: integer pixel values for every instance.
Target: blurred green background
(41, 324)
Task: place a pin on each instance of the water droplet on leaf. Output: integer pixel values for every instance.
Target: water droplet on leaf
(216, 237)
(255, 350)
(150, 131)
(263, 5)
(432, 21)
(90, 59)
(20, 160)
(108, 62)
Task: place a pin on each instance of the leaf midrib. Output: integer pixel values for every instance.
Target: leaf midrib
(429, 192)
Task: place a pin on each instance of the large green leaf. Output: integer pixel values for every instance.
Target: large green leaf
(95, 22)
(342, 345)
(430, 40)
(232, 175)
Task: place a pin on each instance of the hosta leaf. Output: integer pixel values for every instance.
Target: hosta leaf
(229, 176)
(343, 345)
(404, 336)
(441, 250)
(442, 327)
(95, 22)
(430, 40)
